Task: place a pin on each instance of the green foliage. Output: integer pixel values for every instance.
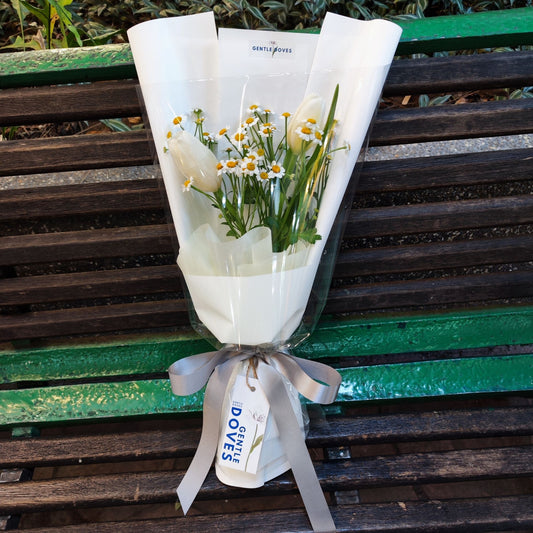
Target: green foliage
(49, 14)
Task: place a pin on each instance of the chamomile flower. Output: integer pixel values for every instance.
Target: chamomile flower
(254, 109)
(276, 170)
(249, 167)
(317, 136)
(229, 166)
(187, 184)
(250, 122)
(305, 133)
(222, 133)
(263, 175)
(240, 136)
(208, 137)
(267, 129)
(257, 155)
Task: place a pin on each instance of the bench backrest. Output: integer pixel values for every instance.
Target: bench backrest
(426, 234)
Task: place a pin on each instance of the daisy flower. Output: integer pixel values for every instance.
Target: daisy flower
(249, 167)
(240, 136)
(276, 170)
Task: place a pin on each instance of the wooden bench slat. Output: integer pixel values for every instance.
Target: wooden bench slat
(148, 397)
(462, 73)
(165, 278)
(409, 258)
(157, 487)
(427, 124)
(391, 127)
(114, 99)
(85, 244)
(445, 332)
(98, 284)
(409, 174)
(82, 199)
(94, 319)
(439, 216)
(369, 222)
(509, 513)
(458, 290)
(75, 152)
(376, 177)
(182, 442)
(62, 103)
(431, 292)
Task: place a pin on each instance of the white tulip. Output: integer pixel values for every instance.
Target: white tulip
(195, 161)
(310, 110)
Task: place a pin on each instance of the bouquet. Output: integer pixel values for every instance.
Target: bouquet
(257, 135)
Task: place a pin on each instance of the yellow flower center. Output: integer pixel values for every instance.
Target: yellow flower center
(169, 135)
(220, 166)
(177, 120)
(239, 137)
(223, 131)
(249, 120)
(318, 135)
(250, 166)
(232, 164)
(263, 175)
(260, 152)
(276, 168)
(187, 183)
(253, 107)
(286, 115)
(306, 130)
(311, 121)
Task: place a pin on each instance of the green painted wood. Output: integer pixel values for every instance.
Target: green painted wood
(47, 67)
(361, 337)
(97, 401)
(490, 29)
(509, 27)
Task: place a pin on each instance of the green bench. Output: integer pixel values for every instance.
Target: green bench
(429, 318)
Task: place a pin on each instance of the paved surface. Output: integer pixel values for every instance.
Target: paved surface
(373, 154)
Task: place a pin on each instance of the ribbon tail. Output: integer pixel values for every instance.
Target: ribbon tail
(296, 450)
(207, 447)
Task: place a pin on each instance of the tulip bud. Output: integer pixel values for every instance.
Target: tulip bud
(311, 108)
(195, 161)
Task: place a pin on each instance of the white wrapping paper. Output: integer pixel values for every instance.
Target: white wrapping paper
(243, 292)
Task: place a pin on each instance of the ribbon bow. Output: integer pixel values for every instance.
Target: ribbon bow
(316, 381)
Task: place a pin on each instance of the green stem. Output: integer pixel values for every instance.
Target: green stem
(251, 449)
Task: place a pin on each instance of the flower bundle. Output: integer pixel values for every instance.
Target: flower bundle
(271, 176)
(253, 197)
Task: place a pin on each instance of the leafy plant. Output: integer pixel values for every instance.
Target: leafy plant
(49, 14)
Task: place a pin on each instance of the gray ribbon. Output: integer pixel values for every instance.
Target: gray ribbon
(316, 381)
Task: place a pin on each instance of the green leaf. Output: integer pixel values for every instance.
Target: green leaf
(39, 13)
(65, 18)
(256, 443)
(20, 43)
(115, 124)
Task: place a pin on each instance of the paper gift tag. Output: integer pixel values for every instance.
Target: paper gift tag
(244, 427)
